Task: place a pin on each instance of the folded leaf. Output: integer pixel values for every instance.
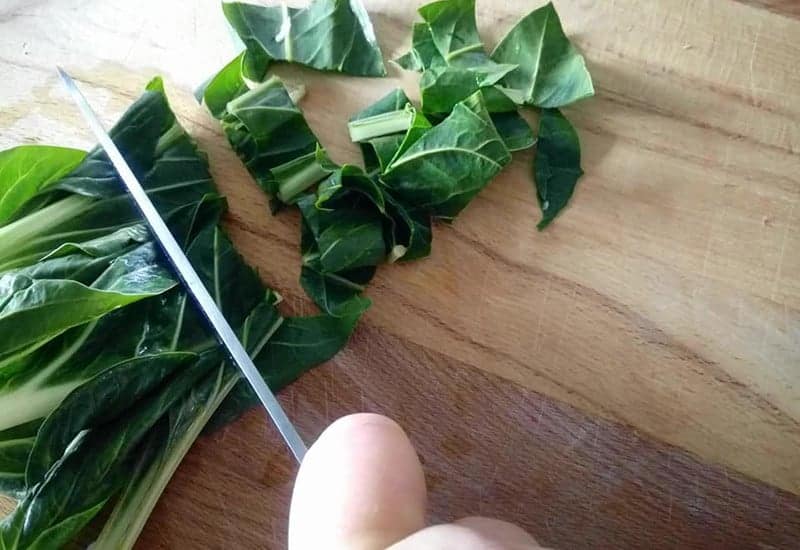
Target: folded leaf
(515, 130)
(454, 31)
(551, 72)
(558, 163)
(443, 86)
(336, 293)
(330, 35)
(446, 167)
(423, 54)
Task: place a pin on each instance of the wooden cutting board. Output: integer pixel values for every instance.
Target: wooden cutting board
(628, 378)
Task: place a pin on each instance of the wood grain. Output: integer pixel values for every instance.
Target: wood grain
(660, 314)
(573, 480)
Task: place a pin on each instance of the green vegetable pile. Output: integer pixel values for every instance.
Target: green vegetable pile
(420, 163)
(107, 372)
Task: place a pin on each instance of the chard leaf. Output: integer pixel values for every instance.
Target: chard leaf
(270, 134)
(299, 344)
(27, 170)
(409, 233)
(336, 293)
(96, 402)
(381, 142)
(33, 311)
(453, 30)
(349, 239)
(444, 86)
(331, 35)
(558, 164)
(15, 446)
(515, 130)
(230, 82)
(93, 469)
(551, 72)
(446, 167)
(423, 54)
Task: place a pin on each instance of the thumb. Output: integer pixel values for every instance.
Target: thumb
(360, 487)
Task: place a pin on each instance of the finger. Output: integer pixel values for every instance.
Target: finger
(469, 534)
(360, 487)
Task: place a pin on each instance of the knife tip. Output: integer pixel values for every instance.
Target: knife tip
(62, 73)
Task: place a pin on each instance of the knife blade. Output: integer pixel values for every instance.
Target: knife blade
(188, 276)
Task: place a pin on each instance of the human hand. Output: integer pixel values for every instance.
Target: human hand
(361, 487)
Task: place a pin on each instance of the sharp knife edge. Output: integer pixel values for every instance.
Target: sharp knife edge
(191, 281)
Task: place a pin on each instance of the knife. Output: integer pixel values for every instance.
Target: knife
(188, 276)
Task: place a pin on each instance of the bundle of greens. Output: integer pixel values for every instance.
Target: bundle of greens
(420, 164)
(107, 372)
(534, 65)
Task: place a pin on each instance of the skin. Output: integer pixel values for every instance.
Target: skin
(361, 487)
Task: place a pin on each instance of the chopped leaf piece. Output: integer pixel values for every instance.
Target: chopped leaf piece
(551, 72)
(330, 35)
(558, 164)
(450, 163)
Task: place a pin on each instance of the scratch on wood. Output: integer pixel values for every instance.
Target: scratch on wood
(777, 278)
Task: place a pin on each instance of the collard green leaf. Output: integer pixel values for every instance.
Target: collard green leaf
(558, 164)
(551, 72)
(446, 167)
(331, 35)
(27, 170)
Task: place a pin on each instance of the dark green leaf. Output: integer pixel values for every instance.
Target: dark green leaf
(91, 471)
(515, 130)
(336, 293)
(15, 446)
(96, 402)
(423, 54)
(332, 35)
(444, 86)
(446, 167)
(557, 164)
(551, 72)
(299, 344)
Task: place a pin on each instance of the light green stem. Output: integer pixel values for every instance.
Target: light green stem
(18, 234)
(380, 125)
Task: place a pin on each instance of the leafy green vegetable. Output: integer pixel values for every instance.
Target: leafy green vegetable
(268, 132)
(446, 167)
(105, 366)
(423, 54)
(27, 170)
(331, 35)
(558, 164)
(15, 446)
(551, 72)
(454, 32)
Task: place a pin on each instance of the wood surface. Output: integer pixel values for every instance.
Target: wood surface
(628, 378)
